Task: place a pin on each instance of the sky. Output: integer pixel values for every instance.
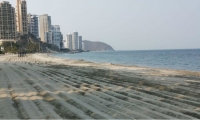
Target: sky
(126, 24)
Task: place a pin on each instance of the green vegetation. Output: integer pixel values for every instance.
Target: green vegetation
(1, 52)
(10, 47)
(28, 43)
(23, 44)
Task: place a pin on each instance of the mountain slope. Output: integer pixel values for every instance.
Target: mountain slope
(97, 46)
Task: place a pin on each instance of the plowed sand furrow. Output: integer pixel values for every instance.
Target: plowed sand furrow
(144, 110)
(39, 104)
(152, 106)
(55, 102)
(177, 106)
(102, 104)
(43, 87)
(61, 107)
(93, 112)
(45, 108)
(66, 109)
(157, 92)
(111, 111)
(159, 104)
(24, 105)
(173, 91)
(7, 111)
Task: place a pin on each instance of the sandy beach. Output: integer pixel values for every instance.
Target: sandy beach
(44, 87)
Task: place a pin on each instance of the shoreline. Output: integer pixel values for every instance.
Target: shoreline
(108, 65)
(123, 65)
(44, 87)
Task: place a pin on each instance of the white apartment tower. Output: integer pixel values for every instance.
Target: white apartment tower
(80, 42)
(33, 26)
(83, 46)
(68, 42)
(21, 17)
(45, 26)
(7, 22)
(75, 41)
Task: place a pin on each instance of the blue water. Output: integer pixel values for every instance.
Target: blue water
(170, 59)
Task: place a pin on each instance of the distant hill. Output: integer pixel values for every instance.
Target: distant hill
(97, 46)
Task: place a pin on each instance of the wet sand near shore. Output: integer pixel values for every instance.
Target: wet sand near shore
(45, 87)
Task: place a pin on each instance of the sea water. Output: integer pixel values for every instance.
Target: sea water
(170, 59)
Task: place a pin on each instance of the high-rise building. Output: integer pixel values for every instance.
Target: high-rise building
(68, 42)
(33, 25)
(7, 22)
(83, 46)
(48, 37)
(75, 41)
(57, 38)
(45, 25)
(54, 36)
(80, 42)
(21, 17)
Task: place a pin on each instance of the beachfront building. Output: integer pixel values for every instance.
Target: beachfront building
(44, 26)
(48, 37)
(80, 42)
(68, 42)
(49, 33)
(57, 35)
(33, 25)
(83, 46)
(21, 17)
(54, 36)
(75, 41)
(7, 22)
